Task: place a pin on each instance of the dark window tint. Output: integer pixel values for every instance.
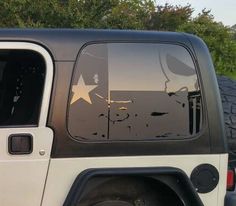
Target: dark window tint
(22, 75)
(134, 91)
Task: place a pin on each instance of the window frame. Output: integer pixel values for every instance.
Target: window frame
(203, 126)
(46, 90)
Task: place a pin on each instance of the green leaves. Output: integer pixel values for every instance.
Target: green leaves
(25, 13)
(218, 38)
(169, 17)
(122, 14)
(130, 14)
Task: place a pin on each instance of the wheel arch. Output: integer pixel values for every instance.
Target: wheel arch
(165, 179)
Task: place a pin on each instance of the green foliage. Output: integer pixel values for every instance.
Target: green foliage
(124, 14)
(233, 30)
(91, 13)
(120, 14)
(24, 13)
(116, 14)
(130, 14)
(169, 17)
(218, 38)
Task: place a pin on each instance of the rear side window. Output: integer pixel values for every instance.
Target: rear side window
(134, 91)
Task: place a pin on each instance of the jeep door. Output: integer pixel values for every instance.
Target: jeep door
(26, 72)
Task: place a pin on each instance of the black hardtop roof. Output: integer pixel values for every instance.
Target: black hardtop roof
(64, 44)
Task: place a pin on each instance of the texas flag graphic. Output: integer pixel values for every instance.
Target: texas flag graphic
(133, 92)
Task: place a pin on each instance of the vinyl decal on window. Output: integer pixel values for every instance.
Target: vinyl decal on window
(134, 92)
(82, 91)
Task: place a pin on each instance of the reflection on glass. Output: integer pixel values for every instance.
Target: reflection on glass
(85, 113)
(134, 91)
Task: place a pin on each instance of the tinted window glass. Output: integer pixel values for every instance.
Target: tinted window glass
(22, 74)
(134, 91)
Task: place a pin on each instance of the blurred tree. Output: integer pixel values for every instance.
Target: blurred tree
(121, 14)
(218, 39)
(169, 17)
(233, 29)
(130, 14)
(24, 13)
(92, 13)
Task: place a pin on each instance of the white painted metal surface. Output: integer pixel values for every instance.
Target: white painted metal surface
(62, 172)
(22, 177)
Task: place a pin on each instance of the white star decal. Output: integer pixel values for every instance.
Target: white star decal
(82, 91)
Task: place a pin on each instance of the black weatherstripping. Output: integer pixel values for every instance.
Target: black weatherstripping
(187, 191)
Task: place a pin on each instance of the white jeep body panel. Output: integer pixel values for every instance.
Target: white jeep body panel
(22, 177)
(63, 172)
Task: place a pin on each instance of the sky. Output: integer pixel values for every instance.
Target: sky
(223, 11)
